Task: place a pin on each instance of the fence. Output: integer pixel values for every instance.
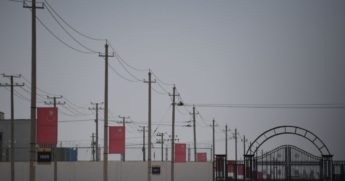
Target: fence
(79, 153)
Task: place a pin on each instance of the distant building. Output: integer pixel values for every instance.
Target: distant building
(21, 139)
(2, 115)
(22, 142)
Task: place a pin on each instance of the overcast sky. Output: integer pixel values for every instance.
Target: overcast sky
(216, 52)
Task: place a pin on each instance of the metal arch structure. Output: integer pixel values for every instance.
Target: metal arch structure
(293, 130)
(251, 166)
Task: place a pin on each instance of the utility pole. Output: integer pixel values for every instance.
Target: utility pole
(32, 169)
(166, 153)
(235, 136)
(93, 147)
(143, 149)
(105, 150)
(54, 146)
(244, 140)
(226, 151)
(12, 85)
(149, 128)
(194, 133)
(123, 156)
(162, 144)
(213, 147)
(173, 134)
(96, 108)
(188, 153)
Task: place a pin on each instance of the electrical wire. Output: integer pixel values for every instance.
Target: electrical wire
(203, 120)
(132, 75)
(272, 106)
(18, 95)
(123, 77)
(158, 79)
(75, 120)
(41, 90)
(158, 92)
(74, 104)
(69, 34)
(121, 59)
(60, 40)
(71, 27)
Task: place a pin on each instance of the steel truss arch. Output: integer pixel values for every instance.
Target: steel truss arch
(292, 130)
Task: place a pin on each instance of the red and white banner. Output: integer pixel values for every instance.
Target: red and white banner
(201, 157)
(116, 139)
(180, 152)
(47, 118)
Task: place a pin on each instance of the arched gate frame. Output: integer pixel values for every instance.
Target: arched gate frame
(325, 163)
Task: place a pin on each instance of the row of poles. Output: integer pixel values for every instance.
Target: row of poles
(97, 108)
(32, 167)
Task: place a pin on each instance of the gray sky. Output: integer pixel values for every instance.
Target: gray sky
(234, 52)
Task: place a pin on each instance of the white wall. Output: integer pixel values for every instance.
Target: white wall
(118, 171)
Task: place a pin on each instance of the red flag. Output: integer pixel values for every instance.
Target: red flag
(240, 168)
(202, 157)
(180, 152)
(47, 125)
(116, 139)
(230, 166)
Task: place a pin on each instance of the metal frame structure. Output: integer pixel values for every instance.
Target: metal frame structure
(325, 162)
(295, 130)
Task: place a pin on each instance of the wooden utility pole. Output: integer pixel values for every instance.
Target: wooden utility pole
(123, 156)
(54, 146)
(161, 141)
(149, 128)
(93, 147)
(173, 135)
(96, 108)
(105, 150)
(143, 148)
(12, 85)
(213, 148)
(244, 140)
(194, 133)
(235, 136)
(32, 169)
(226, 151)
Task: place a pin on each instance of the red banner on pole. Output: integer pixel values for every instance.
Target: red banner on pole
(230, 166)
(240, 169)
(201, 157)
(180, 152)
(116, 139)
(47, 125)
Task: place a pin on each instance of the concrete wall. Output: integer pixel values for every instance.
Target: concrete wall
(21, 139)
(118, 171)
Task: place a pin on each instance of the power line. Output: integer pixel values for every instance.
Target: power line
(273, 106)
(60, 40)
(41, 90)
(71, 27)
(124, 67)
(121, 59)
(159, 92)
(64, 29)
(165, 90)
(120, 75)
(159, 80)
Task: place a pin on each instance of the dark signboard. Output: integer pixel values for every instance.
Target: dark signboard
(44, 156)
(156, 170)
